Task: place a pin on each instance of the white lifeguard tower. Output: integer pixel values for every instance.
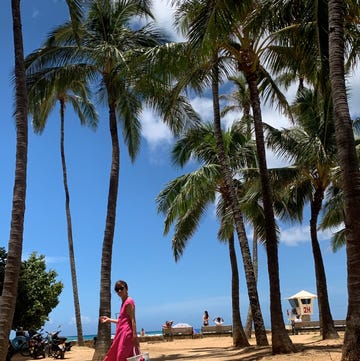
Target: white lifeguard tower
(302, 304)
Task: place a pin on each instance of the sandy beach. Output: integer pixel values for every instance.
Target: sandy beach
(310, 346)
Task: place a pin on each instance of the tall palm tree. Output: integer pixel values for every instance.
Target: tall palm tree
(239, 101)
(350, 175)
(226, 21)
(184, 199)
(310, 20)
(12, 271)
(310, 143)
(109, 47)
(63, 85)
(207, 68)
(9, 292)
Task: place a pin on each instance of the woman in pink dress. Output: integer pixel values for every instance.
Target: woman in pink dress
(125, 339)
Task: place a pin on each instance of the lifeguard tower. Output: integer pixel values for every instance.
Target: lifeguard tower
(302, 304)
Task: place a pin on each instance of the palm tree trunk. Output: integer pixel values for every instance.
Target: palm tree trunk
(80, 339)
(351, 177)
(260, 332)
(239, 337)
(104, 329)
(281, 342)
(12, 270)
(248, 325)
(327, 328)
(322, 34)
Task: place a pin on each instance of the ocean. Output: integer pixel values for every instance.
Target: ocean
(147, 333)
(91, 337)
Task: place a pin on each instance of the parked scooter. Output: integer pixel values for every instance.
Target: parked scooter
(56, 345)
(37, 345)
(19, 344)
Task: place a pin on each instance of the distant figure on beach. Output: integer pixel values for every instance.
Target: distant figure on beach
(125, 339)
(218, 321)
(142, 333)
(296, 320)
(168, 324)
(206, 318)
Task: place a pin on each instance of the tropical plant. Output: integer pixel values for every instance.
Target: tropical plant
(38, 291)
(206, 67)
(184, 199)
(239, 101)
(111, 41)
(350, 175)
(12, 272)
(45, 89)
(7, 301)
(220, 27)
(310, 144)
(333, 217)
(309, 61)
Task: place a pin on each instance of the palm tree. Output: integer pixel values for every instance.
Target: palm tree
(350, 175)
(310, 143)
(221, 26)
(12, 271)
(239, 100)
(63, 85)
(205, 67)
(184, 199)
(109, 47)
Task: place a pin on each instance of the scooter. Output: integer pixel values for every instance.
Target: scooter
(37, 345)
(19, 344)
(56, 346)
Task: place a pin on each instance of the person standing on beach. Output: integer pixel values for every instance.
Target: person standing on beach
(206, 318)
(125, 339)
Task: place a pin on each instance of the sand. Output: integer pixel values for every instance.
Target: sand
(310, 346)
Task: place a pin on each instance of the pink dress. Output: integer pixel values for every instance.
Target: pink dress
(122, 345)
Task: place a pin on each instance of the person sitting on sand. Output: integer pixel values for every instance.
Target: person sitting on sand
(218, 321)
(168, 324)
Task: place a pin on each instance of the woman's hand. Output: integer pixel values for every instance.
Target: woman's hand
(104, 319)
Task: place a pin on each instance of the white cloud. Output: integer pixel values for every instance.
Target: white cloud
(164, 15)
(354, 94)
(293, 236)
(204, 107)
(154, 130)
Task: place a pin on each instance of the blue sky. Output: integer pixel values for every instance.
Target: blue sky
(142, 256)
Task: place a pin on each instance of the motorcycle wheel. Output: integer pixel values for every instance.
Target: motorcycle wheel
(32, 352)
(24, 349)
(48, 350)
(59, 354)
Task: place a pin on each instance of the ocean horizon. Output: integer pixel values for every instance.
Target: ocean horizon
(147, 333)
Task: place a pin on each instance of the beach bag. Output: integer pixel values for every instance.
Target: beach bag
(142, 356)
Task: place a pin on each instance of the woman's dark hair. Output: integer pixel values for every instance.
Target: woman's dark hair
(120, 283)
